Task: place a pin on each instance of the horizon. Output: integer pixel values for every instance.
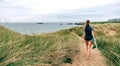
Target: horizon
(58, 10)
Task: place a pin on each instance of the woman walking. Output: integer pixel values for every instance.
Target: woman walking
(88, 37)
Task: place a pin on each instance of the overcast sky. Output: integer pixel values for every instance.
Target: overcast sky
(58, 10)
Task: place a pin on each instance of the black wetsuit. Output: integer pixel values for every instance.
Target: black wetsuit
(88, 33)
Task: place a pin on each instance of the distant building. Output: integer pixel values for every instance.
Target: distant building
(114, 20)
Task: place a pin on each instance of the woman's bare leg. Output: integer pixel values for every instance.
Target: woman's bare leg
(89, 49)
(86, 45)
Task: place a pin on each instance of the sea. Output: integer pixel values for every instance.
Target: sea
(37, 28)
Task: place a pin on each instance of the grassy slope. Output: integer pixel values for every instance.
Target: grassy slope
(54, 48)
(20, 50)
(108, 40)
(110, 45)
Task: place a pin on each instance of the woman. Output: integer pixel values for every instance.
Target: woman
(89, 37)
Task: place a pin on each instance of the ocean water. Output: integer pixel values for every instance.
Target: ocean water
(35, 28)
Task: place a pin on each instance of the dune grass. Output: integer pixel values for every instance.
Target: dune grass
(55, 48)
(24, 50)
(108, 44)
(110, 48)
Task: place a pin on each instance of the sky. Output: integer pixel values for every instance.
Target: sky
(58, 10)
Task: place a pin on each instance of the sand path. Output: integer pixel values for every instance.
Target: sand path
(96, 59)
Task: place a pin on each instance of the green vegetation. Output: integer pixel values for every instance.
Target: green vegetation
(56, 48)
(104, 22)
(108, 40)
(110, 45)
(110, 48)
(53, 49)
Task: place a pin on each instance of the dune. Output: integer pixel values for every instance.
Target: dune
(52, 49)
(96, 58)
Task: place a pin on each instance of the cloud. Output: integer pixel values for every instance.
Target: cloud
(58, 10)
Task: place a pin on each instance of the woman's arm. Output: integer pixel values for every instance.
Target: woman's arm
(83, 34)
(94, 36)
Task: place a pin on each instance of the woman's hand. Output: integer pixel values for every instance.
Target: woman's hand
(83, 41)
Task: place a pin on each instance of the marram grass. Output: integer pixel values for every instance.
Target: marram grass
(52, 49)
(109, 45)
(24, 50)
(110, 48)
(108, 42)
